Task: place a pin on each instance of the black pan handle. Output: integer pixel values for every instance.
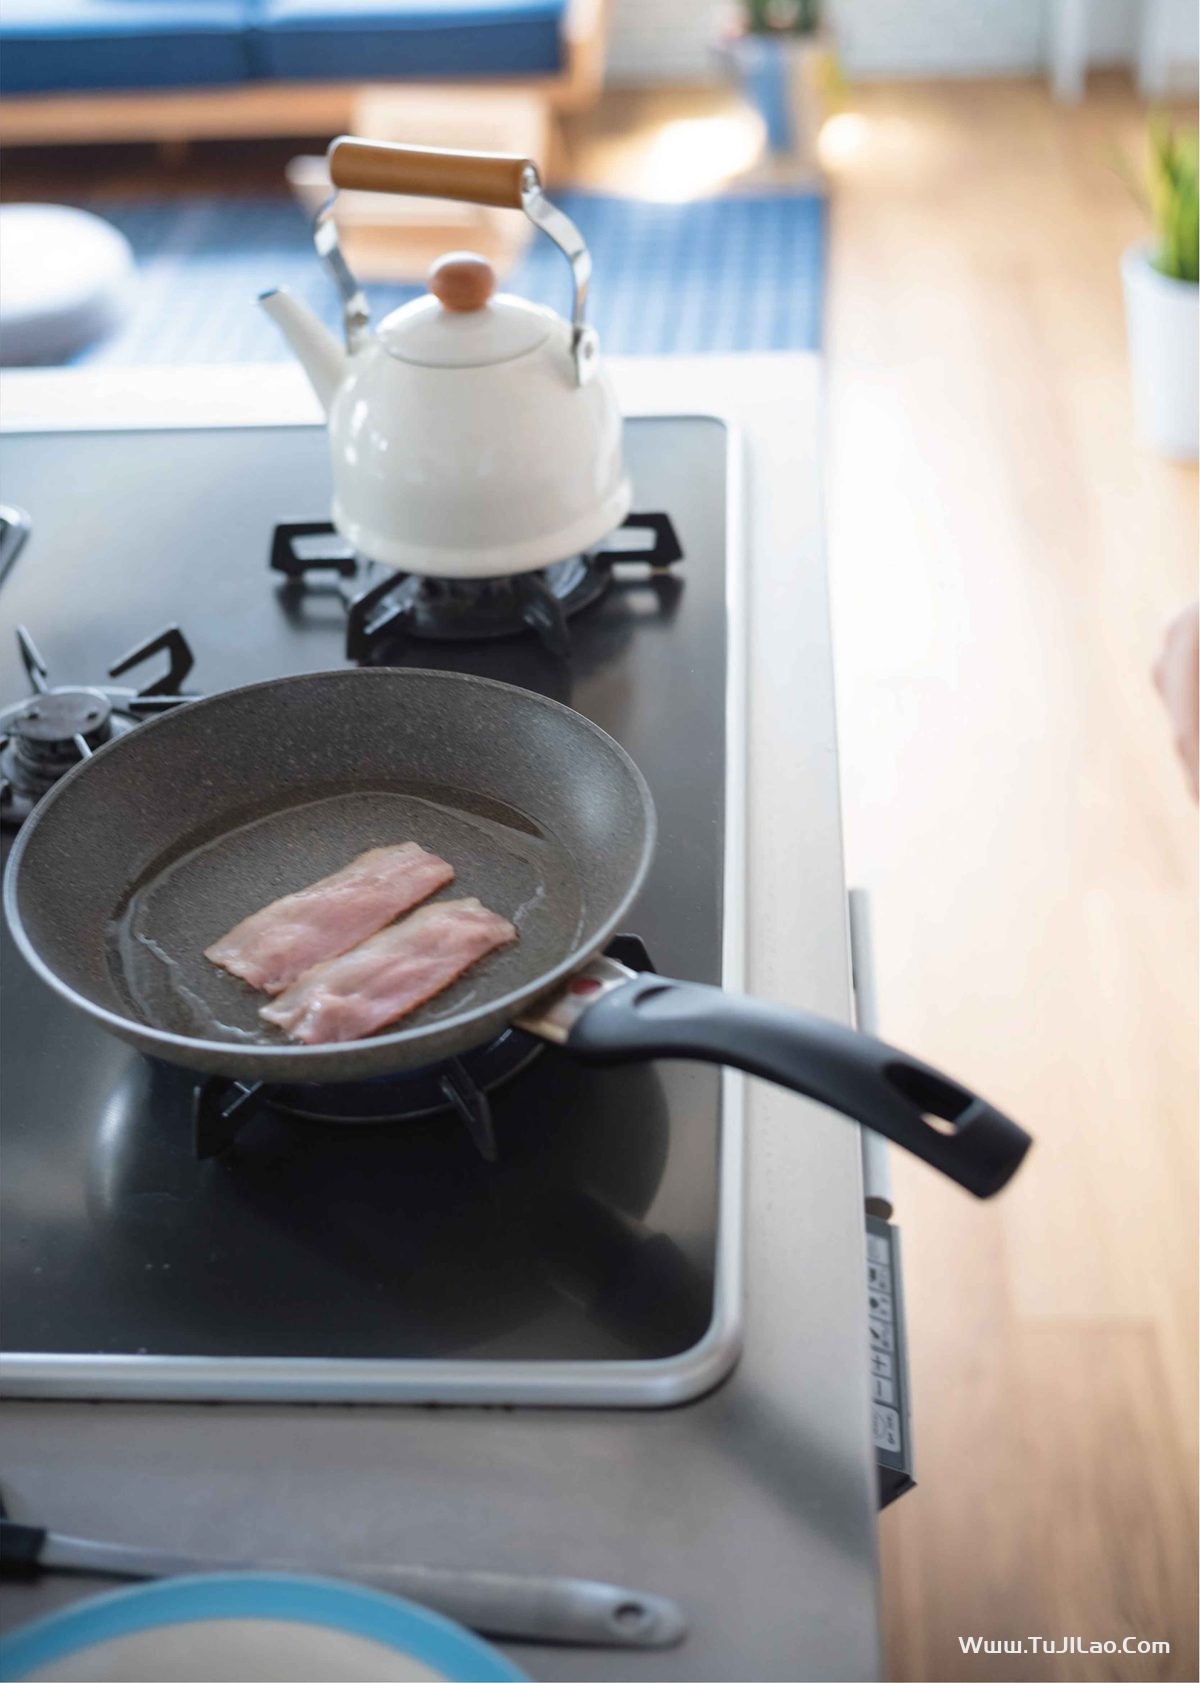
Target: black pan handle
(20, 1549)
(654, 1017)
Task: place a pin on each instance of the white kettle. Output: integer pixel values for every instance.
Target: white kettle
(474, 433)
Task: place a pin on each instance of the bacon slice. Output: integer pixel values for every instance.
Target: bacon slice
(389, 975)
(274, 946)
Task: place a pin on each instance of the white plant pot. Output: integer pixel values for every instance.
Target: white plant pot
(1163, 320)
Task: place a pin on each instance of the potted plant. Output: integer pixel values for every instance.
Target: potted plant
(781, 17)
(771, 45)
(1162, 299)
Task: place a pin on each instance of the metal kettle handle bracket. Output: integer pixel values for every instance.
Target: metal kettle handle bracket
(485, 178)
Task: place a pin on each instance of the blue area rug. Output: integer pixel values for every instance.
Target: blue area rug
(741, 273)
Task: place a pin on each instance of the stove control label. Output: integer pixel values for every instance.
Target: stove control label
(882, 1337)
(885, 1423)
(889, 1380)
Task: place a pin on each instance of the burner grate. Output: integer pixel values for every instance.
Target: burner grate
(222, 1108)
(384, 606)
(56, 727)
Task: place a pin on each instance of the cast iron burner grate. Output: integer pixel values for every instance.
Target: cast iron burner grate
(384, 605)
(222, 1108)
(42, 737)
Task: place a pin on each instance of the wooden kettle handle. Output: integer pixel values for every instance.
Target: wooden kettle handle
(377, 166)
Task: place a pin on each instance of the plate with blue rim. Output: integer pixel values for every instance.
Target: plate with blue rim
(249, 1627)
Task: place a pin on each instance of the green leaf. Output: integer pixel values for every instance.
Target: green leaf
(1171, 190)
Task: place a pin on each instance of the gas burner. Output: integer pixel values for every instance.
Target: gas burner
(222, 1108)
(472, 610)
(384, 605)
(43, 737)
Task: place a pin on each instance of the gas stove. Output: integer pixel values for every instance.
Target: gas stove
(58, 725)
(507, 1227)
(384, 606)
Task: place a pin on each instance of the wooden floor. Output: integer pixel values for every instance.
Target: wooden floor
(1004, 556)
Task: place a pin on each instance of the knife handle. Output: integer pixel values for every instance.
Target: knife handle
(20, 1549)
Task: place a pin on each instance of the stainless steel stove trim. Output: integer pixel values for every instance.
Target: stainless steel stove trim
(616, 1384)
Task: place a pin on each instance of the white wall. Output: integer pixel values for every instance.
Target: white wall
(985, 37)
(667, 40)
(660, 41)
(937, 37)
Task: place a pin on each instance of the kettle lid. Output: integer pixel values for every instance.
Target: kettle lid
(462, 322)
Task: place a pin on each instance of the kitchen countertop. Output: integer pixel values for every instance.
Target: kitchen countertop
(756, 1505)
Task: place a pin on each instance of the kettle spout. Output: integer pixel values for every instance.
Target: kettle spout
(322, 357)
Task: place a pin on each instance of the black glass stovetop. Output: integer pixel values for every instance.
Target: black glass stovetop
(593, 1234)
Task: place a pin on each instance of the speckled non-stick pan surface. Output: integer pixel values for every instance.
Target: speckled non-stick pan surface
(143, 856)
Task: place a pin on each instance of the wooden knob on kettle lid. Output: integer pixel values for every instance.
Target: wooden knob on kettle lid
(462, 281)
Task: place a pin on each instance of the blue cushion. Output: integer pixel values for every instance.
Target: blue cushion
(51, 46)
(347, 40)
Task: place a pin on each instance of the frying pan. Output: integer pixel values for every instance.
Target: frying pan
(144, 854)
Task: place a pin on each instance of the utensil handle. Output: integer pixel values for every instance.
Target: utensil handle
(945, 1124)
(20, 1549)
(551, 1609)
(521, 1605)
(426, 172)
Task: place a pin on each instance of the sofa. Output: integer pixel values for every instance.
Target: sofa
(171, 69)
